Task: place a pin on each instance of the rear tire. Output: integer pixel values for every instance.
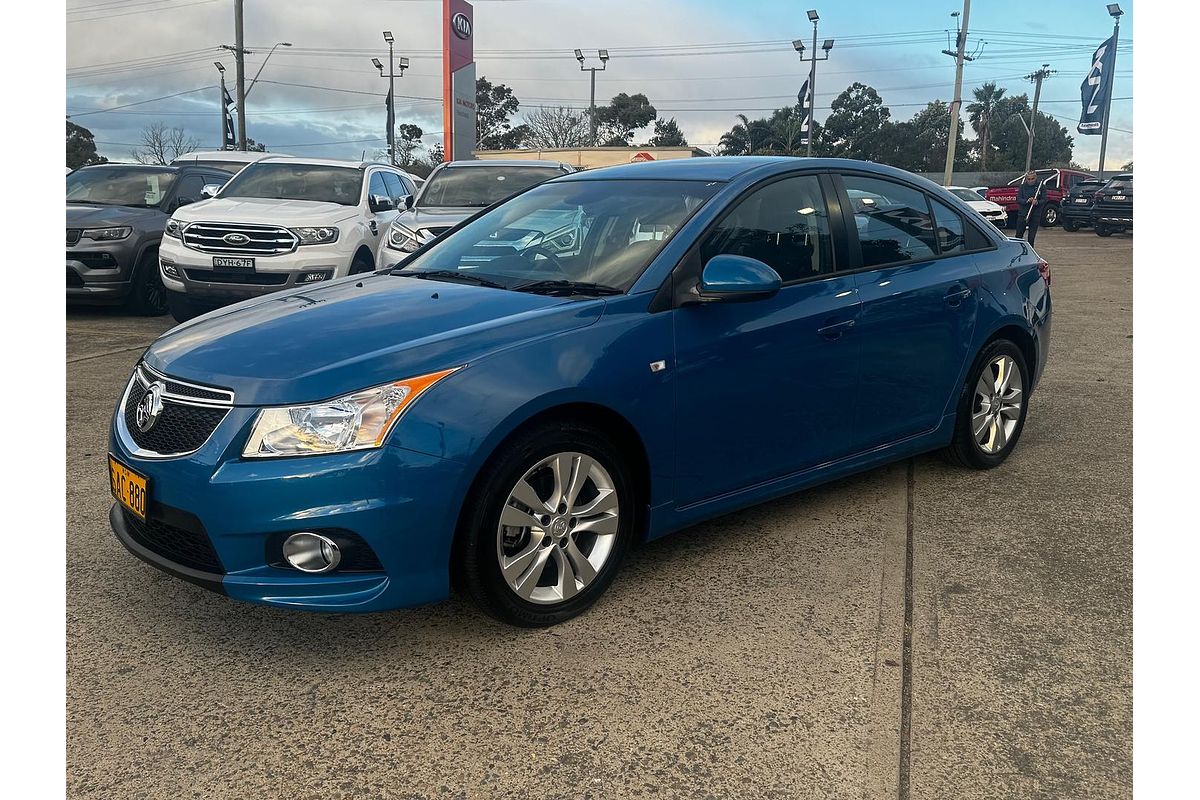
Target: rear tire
(1050, 216)
(1070, 225)
(181, 307)
(567, 555)
(992, 408)
(1103, 230)
(147, 296)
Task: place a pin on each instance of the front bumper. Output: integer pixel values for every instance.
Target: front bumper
(402, 504)
(99, 273)
(196, 277)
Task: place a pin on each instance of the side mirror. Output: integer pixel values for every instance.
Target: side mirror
(210, 190)
(730, 278)
(407, 201)
(380, 203)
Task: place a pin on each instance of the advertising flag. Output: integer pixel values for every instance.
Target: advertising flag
(230, 137)
(1097, 88)
(804, 104)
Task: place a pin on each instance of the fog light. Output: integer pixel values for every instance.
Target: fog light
(311, 552)
(313, 277)
(169, 268)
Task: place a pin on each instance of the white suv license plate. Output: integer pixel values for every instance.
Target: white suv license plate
(230, 262)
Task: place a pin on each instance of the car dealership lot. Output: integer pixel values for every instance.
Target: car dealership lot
(759, 655)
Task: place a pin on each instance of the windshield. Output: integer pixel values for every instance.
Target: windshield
(1121, 183)
(596, 231)
(481, 186)
(119, 186)
(970, 195)
(320, 184)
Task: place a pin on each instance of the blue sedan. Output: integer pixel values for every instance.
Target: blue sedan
(601, 360)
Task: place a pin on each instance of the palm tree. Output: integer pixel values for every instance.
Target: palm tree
(980, 115)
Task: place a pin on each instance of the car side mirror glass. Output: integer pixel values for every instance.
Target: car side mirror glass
(406, 201)
(210, 190)
(380, 203)
(731, 278)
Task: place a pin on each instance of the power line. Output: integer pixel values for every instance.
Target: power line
(142, 102)
(143, 11)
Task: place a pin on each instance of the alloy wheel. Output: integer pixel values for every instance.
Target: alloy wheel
(996, 409)
(557, 528)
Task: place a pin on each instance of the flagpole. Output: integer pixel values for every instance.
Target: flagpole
(1108, 100)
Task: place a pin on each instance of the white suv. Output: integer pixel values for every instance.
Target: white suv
(279, 223)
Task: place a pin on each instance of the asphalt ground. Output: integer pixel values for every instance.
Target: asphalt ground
(917, 631)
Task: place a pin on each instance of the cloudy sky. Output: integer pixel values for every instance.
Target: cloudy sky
(700, 61)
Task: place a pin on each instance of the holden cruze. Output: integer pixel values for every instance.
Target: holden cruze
(603, 359)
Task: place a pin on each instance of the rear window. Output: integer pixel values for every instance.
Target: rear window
(1121, 183)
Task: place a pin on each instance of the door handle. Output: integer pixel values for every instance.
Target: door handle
(955, 296)
(835, 330)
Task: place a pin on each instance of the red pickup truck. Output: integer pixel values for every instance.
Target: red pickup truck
(1055, 185)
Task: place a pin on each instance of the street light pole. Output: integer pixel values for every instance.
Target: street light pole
(1037, 78)
(391, 76)
(263, 65)
(960, 54)
(603, 54)
(221, 68)
(798, 45)
(1115, 12)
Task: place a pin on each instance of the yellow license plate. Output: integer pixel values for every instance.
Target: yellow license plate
(128, 487)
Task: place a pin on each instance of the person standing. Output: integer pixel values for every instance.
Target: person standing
(1029, 206)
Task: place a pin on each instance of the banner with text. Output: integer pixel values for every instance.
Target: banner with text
(1097, 88)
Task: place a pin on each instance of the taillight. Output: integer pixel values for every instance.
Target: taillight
(1044, 270)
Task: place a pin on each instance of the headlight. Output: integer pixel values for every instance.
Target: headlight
(106, 234)
(403, 239)
(316, 235)
(358, 421)
(174, 228)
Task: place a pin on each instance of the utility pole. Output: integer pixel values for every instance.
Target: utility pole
(603, 54)
(1037, 78)
(1115, 12)
(960, 55)
(239, 52)
(798, 46)
(391, 76)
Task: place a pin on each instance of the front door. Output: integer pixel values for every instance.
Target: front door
(919, 290)
(766, 388)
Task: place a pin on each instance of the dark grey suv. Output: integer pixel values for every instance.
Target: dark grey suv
(116, 214)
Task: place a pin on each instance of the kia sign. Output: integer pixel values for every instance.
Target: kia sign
(458, 79)
(461, 25)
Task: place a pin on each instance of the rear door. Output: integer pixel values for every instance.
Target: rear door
(766, 388)
(918, 285)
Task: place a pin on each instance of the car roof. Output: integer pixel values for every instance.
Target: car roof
(235, 156)
(726, 168)
(299, 161)
(504, 162)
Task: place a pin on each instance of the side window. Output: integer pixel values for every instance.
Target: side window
(395, 186)
(377, 187)
(892, 221)
(950, 234)
(189, 188)
(784, 224)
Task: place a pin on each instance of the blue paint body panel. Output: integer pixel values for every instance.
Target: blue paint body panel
(824, 378)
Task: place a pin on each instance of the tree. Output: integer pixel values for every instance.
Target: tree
(81, 147)
(626, 114)
(980, 114)
(495, 105)
(1127, 166)
(557, 126)
(162, 145)
(737, 141)
(1052, 144)
(667, 134)
(255, 147)
(408, 142)
(852, 129)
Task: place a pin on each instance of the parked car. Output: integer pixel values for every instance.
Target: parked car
(990, 211)
(1055, 184)
(722, 334)
(1077, 205)
(232, 161)
(1112, 208)
(279, 223)
(457, 190)
(116, 214)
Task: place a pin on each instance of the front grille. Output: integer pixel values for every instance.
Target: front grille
(189, 415)
(244, 278)
(73, 279)
(73, 235)
(93, 260)
(260, 240)
(188, 547)
(1111, 209)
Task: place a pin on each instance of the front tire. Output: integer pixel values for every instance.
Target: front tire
(992, 409)
(147, 296)
(547, 526)
(1102, 229)
(362, 263)
(181, 308)
(1070, 226)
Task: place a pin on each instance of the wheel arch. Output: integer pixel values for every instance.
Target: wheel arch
(363, 249)
(605, 419)
(1022, 338)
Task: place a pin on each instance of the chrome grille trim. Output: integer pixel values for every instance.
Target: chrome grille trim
(143, 376)
(147, 375)
(262, 240)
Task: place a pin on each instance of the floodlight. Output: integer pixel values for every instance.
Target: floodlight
(1114, 10)
(579, 55)
(387, 37)
(403, 62)
(604, 55)
(827, 45)
(798, 45)
(812, 15)
(378, 64)
(219, 66)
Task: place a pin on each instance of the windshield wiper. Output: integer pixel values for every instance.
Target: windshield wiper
(563, 287)
(450, 275)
